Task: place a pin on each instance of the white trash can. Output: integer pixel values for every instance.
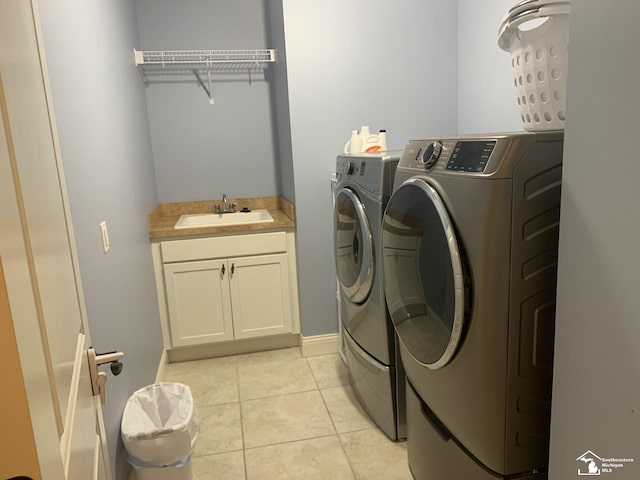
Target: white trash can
(159, 429)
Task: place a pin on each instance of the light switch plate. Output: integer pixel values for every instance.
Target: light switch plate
(105, 236)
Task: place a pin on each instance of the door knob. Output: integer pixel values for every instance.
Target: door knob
(99, 379)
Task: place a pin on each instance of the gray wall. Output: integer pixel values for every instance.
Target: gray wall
(281, 121)
(596, 392)
(100, 111)
(202, 150)
(351, 64)
(486, 96)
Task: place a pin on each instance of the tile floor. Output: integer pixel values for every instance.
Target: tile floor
(278, 416)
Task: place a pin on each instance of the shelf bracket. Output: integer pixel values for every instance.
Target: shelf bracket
(204, 87)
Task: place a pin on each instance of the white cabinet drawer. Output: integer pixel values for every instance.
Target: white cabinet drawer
(223, 247)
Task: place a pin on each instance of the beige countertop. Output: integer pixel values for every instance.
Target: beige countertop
(162, 220)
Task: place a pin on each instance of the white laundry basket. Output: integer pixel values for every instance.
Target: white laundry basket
(539, 60)
(159, 429)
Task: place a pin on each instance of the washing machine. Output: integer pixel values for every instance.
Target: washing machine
(469, 241)
(363, 187)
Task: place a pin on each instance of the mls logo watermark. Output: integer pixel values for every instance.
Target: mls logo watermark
(590, 463)
(593, 463)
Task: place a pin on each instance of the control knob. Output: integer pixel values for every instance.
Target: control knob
(431, 154)
(349, 168)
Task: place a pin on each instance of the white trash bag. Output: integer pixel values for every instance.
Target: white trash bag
(160, 424)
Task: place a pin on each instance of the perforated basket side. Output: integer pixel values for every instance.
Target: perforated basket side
(539, 54)
(540, 75)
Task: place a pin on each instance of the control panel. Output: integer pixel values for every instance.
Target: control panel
(470, 156)
(454, 155)
(364, 172)
(371, 172)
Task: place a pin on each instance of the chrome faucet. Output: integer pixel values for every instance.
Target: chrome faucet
(226, 206)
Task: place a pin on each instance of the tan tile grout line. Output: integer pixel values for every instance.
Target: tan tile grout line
(279, 395)
(313, 375)
(290, 441)
(215, 404)
(344, 452)
(244, 456)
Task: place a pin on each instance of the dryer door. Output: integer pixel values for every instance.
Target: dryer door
(354, 247)
(423, 276)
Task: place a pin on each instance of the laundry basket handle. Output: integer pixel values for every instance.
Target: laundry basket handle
(509, 30)
(528, 5)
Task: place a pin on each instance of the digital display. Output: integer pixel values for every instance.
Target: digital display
(470, 156)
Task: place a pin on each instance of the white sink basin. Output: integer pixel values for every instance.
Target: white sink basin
(223, 219)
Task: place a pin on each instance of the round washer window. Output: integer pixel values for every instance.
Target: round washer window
(423, 274)
(354, 247)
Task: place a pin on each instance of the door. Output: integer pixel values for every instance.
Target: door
(260, 295)
(354, 247)
(423, 275)
(199, 302)
(38, 257)
(19, 455)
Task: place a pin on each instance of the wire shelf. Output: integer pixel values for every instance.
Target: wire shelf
(161, 63)
(203, 58)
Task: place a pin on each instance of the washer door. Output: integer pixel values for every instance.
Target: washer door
(354, 247)
(423, 276)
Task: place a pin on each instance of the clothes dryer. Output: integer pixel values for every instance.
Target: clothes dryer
(364, 184)
(469, 240)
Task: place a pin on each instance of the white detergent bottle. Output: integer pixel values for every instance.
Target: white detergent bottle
(375, 143)
(369, 141)
(382, 140)
(354, 144)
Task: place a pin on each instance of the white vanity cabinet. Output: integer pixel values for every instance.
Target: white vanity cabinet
(229, 287)
(198, 301)
(260, 298)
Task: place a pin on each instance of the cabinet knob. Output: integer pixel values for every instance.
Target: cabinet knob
(233, 268)
(223, 269)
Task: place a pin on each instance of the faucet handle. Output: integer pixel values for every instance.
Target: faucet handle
(233, 207)
(216, 208)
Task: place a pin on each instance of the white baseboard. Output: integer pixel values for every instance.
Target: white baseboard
(309, 346)
(162, 367)
(233, 347)
(320, 344)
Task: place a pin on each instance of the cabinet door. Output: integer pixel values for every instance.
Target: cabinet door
(260, 295)
(198, 302)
